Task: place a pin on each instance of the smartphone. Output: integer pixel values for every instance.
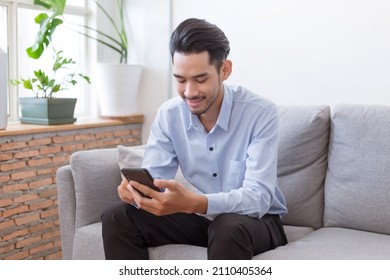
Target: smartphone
(140, 175)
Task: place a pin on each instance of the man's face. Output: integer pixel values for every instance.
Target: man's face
(198, 82)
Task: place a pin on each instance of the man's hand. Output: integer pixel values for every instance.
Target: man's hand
(124, 194)
(176, 198)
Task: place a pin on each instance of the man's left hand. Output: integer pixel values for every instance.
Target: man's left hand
(176, 198)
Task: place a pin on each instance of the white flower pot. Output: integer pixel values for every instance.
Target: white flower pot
(117, 87)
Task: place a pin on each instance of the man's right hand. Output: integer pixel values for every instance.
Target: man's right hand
(124, 193)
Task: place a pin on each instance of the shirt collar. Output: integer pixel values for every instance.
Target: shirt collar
(224, 114)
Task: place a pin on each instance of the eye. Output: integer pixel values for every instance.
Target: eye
(201, 81)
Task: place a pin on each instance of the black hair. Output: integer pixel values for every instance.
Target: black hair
(197, 35)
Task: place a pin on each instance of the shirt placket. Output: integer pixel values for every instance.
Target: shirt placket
(211, 150)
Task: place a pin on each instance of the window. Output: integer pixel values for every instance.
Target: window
(17, 33)
(3, 36)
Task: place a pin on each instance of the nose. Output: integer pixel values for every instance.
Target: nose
(190, 90)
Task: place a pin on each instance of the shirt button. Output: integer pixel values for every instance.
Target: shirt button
(215, 175)
(211, 149)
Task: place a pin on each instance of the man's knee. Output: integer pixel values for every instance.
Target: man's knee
(114, 212)
(229, 238)
(228, 228)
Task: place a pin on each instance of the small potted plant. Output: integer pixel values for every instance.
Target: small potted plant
(45, 107)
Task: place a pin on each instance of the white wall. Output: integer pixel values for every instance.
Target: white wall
(295, 52)
(151, 29)
(304, 51)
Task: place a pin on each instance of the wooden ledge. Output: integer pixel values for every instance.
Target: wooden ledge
(81, 123)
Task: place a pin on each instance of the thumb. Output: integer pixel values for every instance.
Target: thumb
(159, 183)
(163, 184)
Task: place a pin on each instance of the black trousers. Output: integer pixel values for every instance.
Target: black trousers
(128, 232)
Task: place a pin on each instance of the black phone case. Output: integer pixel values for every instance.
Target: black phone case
(140, 175)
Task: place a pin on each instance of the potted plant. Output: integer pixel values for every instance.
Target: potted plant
(44, 107)
(117, 83)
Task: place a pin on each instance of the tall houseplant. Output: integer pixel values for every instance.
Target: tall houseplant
(44, 108)
(117, 83)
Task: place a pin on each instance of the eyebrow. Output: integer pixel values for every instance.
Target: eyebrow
(201, 75)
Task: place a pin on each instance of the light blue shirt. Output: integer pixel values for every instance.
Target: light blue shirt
(234, 165)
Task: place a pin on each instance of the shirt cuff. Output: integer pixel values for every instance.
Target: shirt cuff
(213, 204)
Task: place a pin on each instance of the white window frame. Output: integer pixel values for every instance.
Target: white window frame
(12, 25)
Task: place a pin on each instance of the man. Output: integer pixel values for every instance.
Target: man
(225, 141)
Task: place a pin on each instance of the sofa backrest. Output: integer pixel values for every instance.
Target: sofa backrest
(302, 162)
(357, 187)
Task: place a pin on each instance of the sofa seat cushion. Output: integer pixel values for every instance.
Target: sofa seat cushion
(188, 252)
(334, 244)
(178, 252)
(294, 233)
(88, 245)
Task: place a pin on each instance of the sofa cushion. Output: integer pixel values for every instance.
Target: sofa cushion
(357, 188)
(130, 157)
(303, 148)
(334, 244)
(88, 245)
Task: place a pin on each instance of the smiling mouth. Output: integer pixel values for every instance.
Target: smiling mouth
(194, 102)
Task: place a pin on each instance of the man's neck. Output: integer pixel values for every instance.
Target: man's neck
(210, 118)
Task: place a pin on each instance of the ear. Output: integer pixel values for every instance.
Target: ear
(226, 69)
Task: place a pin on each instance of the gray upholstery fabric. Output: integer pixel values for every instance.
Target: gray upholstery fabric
(334, 244)
(67, 209)
(294, 233)
(88, 243)
(130, 157)
(178, 252)
(96, 176)
(303, 148)
(358, 177)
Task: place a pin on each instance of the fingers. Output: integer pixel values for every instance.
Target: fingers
(158, 203)
(145, 190)
(124, 194)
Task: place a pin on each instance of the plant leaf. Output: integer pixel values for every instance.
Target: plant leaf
(47, 25)
(27, 84)
(57, 6)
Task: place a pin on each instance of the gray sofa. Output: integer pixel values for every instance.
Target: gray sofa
(333, 167)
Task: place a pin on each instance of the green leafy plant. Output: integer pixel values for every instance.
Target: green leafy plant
(48, 25)
(47, 85)
(62, 75)
(119, 45)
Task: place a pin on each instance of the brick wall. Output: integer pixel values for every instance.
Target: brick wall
(29, 223)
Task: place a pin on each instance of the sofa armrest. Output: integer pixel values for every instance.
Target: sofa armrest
(67, 209)
(85, 188)
(96, 175)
